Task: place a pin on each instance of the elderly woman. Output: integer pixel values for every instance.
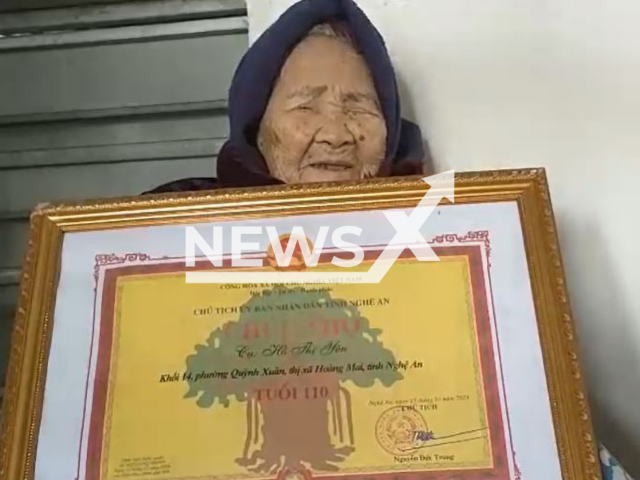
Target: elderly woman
(315, 99)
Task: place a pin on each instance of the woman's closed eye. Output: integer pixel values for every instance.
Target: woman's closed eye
(361, 111)
(302, 107)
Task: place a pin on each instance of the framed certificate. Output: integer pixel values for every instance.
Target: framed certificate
(130, 361)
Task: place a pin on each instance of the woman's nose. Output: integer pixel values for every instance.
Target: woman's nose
(335, 132)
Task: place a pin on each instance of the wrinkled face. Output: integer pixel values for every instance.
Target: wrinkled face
(323, 121)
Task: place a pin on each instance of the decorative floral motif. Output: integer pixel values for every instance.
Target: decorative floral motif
(473, 236)
(611, 469)
(114, 259)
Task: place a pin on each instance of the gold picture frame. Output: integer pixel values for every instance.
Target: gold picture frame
(23, 399)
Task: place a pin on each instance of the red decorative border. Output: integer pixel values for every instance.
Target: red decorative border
(500, 471)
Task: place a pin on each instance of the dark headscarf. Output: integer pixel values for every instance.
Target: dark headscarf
(240, 163)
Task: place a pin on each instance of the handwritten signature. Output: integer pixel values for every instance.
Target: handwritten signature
(426, 438)
(423, 436)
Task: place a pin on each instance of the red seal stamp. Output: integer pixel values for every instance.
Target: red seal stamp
(397, 429)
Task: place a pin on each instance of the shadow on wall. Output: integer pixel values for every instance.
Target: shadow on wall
(408, 112)
(614, 365)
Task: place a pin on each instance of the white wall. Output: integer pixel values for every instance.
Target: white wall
(553, 83)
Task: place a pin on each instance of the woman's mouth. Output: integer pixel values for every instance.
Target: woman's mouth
(337, 166)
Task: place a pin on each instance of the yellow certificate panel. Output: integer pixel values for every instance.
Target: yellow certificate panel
(212, 381)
